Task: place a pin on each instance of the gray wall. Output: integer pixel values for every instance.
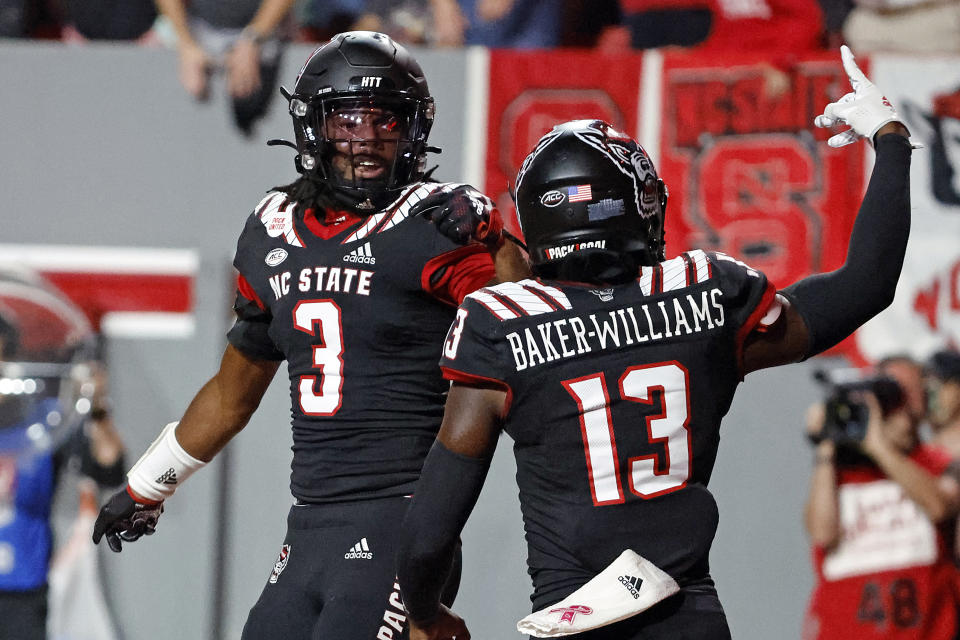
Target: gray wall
(100, 146)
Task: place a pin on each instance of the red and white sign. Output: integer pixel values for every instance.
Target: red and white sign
(125, 292)
(925, 315)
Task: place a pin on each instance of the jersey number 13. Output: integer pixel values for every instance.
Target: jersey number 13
(649, 475)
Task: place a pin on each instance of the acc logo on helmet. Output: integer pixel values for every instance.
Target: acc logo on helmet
(551, 198)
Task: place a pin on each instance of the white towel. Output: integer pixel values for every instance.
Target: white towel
(630, 584)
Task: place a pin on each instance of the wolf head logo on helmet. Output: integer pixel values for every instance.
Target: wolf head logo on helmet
(362, 113)
(611, 218)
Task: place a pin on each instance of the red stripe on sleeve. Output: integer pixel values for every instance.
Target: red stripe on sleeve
(691, 269)
(546, 297)
(753, 320)
(450, 276)
(247, 292)
(471, 379)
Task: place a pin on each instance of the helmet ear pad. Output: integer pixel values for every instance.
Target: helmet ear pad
(657, 242)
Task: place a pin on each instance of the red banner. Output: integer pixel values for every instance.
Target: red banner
(748, 173)
(532, 91)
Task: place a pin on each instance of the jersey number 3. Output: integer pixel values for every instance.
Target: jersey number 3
(648, 475)
(323, 317)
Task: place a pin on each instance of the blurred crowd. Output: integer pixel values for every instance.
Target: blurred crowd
(244, 40)
(770, 25)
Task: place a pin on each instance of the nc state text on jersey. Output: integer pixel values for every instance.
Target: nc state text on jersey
(574, 336)
(329, 279)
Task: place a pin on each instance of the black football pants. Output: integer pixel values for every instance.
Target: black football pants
(335, 578)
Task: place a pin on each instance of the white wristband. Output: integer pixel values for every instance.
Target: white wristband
(163, 467)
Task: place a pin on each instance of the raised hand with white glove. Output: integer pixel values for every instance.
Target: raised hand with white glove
(865, 109)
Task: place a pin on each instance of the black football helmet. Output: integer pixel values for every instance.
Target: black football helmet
(362, 113)
(587, 190)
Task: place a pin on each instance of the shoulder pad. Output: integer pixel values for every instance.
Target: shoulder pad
(510, 300)
(729, 263)
(398, 210)
(687, 269)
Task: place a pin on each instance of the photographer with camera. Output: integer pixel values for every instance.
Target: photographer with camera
(880, 514)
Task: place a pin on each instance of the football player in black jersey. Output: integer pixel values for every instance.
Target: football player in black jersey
(341, 276)
(611, 371)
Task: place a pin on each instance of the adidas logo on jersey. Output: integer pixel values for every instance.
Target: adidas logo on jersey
(361, 254)
(632, 583)
(360, 551)
(169, 477)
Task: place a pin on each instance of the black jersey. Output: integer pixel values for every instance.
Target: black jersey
(615, 400)
(358, 311)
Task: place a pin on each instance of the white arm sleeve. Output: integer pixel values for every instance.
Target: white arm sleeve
(163, 467)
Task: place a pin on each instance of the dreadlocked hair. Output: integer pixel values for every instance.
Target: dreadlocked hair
(309, 193)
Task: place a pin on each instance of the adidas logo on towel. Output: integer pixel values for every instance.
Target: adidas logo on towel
(169, 477)
(632, 583)
(359, 551)
(361, 254)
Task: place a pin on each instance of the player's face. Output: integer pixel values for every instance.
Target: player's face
(366, 141)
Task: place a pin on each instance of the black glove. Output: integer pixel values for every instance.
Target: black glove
(464, 215)
(123, 518)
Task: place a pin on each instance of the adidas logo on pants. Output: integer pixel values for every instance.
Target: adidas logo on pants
(359, 551)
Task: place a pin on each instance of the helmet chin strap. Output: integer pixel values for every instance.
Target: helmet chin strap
(361, 194)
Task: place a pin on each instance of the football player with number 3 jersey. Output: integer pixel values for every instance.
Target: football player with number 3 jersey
(612, 369)
(351, 274)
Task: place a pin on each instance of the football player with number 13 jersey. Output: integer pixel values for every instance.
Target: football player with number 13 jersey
(612, 369)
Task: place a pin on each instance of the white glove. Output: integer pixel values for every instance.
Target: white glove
(865, 110)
